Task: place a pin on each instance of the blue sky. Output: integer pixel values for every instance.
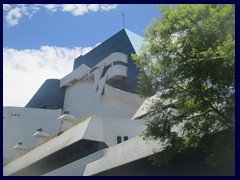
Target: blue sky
(41, 41)
(59, 28)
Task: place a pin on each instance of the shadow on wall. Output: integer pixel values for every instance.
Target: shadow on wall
(181, 165)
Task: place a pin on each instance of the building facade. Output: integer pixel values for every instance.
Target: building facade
(90, 122)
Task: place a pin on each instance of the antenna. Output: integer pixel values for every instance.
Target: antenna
(123, 20)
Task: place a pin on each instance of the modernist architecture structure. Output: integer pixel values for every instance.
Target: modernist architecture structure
(89, 122)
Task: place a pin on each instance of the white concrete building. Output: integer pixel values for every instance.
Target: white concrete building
(87, 123)
(100, 91)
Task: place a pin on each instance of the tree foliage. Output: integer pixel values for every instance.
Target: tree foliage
(189, 60)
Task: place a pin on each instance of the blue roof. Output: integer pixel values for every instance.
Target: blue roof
(51, 96)
(124, 41)
(48, 96)
(135, 40)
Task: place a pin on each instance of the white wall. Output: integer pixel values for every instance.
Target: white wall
(108, 158)
(74, 76)
(93, 128)
(22, 127)
(121, 127)
(81, 100)
(107, 130)
(83, 97)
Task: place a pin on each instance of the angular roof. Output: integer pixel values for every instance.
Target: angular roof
(124, 41)
(135, 40)
(48, 96)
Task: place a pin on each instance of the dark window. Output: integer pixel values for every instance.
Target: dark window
(119, 139)
(125, 138)
(119, 63)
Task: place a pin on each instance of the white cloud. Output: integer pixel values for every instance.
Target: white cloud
(13, 13)
(107, 7)
(81, 9)
(93, 7)
(34, 9)
(51, 7)
(13, 16)
(24, 71)
(75, 9)
(6, 7)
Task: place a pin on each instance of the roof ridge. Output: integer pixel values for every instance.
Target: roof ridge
(135, 40)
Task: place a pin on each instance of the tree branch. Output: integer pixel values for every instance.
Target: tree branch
(211, 106)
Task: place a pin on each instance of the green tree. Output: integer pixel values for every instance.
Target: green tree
(189, 61)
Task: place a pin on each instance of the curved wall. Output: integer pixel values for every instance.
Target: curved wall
(49, 96)
(125, 42)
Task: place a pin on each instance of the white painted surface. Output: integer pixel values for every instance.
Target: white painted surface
(113, 72)
(83, 72)
(93, 128)
(74, 76)
(107, 130)
(67, 120)
(20, 150)
(116, 56)
(108, 158)
(65, 139)
(122, 153)
(84, 97)
(40, 136)
(81, 100)
(21, 128)
(143, 109)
